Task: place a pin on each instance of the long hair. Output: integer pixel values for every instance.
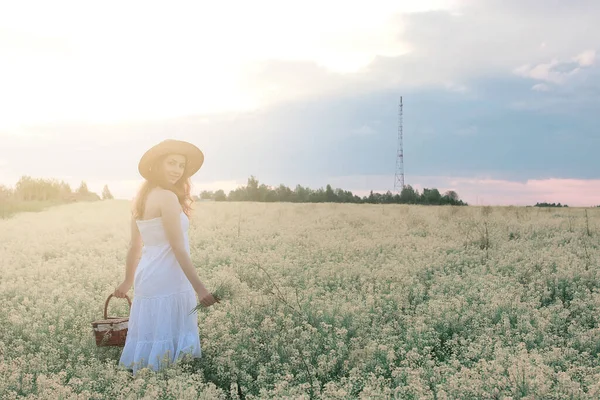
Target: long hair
(157, 178)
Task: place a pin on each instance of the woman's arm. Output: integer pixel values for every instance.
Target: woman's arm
(133, 253)
(171, 218)
(132, 260)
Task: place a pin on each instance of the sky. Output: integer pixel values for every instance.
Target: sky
(500, 97)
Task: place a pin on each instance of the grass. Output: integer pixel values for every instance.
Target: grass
(9, 208)
(330, 301)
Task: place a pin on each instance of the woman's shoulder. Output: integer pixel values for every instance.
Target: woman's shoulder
(160, 198)
(166, 200)
(165, 196)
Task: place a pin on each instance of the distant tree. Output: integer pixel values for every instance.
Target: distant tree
(329, 194)
(408, 195)
(83, 189)
(371, 198)
(106, 194)
(260, 192)
(452, 195)
(24, 188)
(346, 196)
(302, 194)
(388, 198)
(549, 205)
(206, 195)
(5, 192)
(317, 196)
(252, 188)
(270, 196)
(28, 189)
(65, 190)
(341, 196)
(239, 194)
(284, 193)
(219, 195)
(431, 196)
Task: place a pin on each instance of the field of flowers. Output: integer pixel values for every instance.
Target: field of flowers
(329, 301)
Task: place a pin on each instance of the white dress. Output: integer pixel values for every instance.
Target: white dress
(161, 328)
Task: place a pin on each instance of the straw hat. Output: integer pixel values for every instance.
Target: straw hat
(193, 155)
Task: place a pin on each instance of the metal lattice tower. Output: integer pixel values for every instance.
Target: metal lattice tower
(399, 179)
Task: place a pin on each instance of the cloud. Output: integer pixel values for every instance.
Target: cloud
(555, 71)
(544, 72)
(449, 48)
(587, 58)
(456, 87)
(365, 130)
(541, 87)
(387, 44)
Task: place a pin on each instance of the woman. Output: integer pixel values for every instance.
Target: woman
(161, 328)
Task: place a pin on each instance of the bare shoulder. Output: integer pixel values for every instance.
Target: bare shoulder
(153, 199)
(168, 201)
(164, 195)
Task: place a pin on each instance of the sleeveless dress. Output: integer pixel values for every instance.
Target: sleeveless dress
(161, 328)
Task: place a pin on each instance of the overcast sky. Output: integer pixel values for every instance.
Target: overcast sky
(501, 98)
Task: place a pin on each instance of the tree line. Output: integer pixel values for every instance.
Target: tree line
(253, 191)
(30, 189)
(550, 205)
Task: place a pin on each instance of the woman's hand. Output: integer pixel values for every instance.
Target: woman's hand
(206, 298)
(122, 289)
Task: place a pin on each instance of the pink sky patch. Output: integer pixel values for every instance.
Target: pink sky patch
(485, 191)
(574, 192)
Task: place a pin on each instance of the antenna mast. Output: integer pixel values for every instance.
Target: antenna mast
(399, 178)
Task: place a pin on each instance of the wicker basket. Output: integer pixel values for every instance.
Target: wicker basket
(111, 331)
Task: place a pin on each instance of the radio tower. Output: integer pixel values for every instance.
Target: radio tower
(399, 179)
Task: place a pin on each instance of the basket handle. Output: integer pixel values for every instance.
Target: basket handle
(106, 304)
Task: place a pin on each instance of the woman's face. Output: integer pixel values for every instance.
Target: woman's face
(173, 167)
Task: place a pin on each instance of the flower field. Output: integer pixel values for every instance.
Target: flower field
(327, 301)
